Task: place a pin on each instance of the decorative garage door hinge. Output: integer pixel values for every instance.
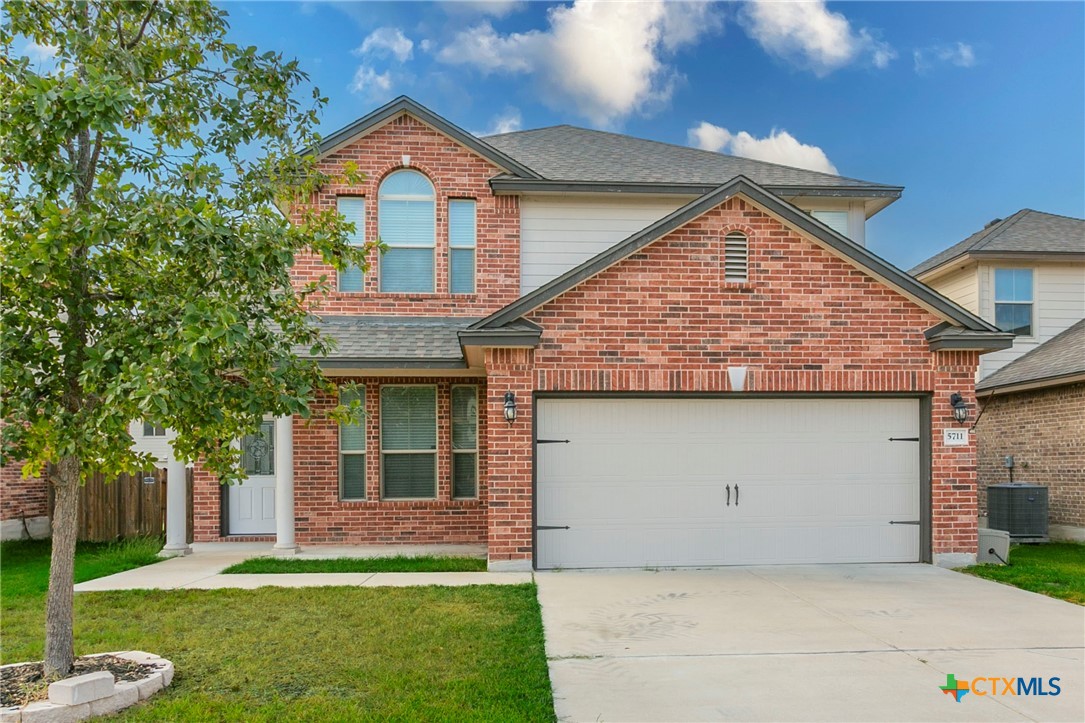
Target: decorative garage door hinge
(904, 439)
(551, 527)
(551, 441)
(904, 522)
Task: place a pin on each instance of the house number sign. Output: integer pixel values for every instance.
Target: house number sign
(955, 437)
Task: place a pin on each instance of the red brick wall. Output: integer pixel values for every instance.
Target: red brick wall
(455, 173)
(22, 497)
(1044, 430)
(322, 518)
(664, 320)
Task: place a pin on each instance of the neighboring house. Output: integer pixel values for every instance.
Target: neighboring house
(583, 349)
(1034, 410)
(1025, 274)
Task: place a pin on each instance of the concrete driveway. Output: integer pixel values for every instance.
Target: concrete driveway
(827, 642)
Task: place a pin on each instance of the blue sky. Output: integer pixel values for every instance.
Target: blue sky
(976, 108)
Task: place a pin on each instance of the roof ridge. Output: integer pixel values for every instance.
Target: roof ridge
(695, 150)
(1055, 215)
(525, 130)
(999, 228)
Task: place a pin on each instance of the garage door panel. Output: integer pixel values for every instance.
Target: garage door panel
(644, 482)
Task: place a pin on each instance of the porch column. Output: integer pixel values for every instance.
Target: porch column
(176, 510)
(284, 484)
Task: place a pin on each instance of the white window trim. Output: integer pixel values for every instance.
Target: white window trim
(154, 430)
(407, 197)
(473, 247)
(435, 452)
(1034, 317)
(475, 451)
(356, 452)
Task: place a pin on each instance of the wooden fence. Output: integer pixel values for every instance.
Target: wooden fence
(132, 505)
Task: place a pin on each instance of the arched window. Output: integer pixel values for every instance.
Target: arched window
(407, 225)
(736, 258)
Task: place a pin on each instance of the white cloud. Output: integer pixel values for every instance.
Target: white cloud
(39, 53)
(384, 42)
(369, 81)
(777, 147)
(810, 35)
(496, 8)
(508, 121)
(960, 54)
(606, 59)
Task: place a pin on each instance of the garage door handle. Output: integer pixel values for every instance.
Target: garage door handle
(736, 495)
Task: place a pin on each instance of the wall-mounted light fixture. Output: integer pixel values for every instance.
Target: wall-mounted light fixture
(960, 411)
(510, 407)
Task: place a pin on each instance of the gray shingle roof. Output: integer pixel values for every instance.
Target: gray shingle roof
(1060, 356)
(399, 341)
(1025, 232)
(568, 153)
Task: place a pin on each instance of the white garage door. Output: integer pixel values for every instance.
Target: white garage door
(688, 482)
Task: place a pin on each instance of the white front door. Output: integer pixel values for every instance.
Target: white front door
(692, 482)
(251, 504)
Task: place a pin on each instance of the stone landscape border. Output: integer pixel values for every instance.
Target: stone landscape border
(92, 694)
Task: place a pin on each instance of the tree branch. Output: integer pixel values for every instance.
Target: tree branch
(143, 26)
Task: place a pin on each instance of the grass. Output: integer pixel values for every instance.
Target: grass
(1056, 569)
(293, 654)
(270, 565)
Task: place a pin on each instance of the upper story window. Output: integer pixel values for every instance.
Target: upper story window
(153, 430)
(407, 216)
(352, 208)
(836, 220)
(461, 243)
(736, 251)
(1013, 300)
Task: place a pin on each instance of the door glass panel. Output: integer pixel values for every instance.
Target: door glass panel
(258, 451)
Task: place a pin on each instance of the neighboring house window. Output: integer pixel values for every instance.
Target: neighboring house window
(408, 418)
(736, 258)
(352, 208)
(464, 441)
(407, 218)
(836, 220)
(461, 242)
(352, 451)
(153, 430)
(1013, 300)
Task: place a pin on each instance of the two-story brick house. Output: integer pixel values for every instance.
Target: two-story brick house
(583, 349)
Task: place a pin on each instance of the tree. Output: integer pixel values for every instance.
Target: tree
(145, 264)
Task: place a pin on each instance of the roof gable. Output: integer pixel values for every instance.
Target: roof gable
(403, 104)
(1025, 233)
(858, 256)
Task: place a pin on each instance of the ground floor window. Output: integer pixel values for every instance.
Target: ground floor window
(352, 450)
(408, 421)
(464, 441)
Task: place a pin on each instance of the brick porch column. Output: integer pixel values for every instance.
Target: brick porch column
(284, 485)
(508, 457)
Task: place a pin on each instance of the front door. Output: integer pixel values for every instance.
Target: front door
(251, 504)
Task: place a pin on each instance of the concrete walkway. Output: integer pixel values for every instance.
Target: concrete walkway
(202, 569)
(813, 643)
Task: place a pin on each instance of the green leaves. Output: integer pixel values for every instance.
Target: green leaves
(144, 259)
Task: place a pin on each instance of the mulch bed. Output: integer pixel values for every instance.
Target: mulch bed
(22, 684)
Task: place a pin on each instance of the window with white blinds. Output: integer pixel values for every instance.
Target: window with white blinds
(352, 208)
(352, 450)
(461, 243)
(736, 252)
(836, 220)
(408, 418)
(153, 430)
(407, 221)
(464, 441)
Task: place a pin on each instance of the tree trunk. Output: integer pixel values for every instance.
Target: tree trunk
(59, 641)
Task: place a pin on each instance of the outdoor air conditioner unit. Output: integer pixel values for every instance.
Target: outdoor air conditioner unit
(1020, 509)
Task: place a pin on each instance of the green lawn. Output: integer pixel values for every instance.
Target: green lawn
(270, 565)
(332, 653)
(1056, 569)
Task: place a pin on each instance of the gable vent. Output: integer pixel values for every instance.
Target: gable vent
(735, 258)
